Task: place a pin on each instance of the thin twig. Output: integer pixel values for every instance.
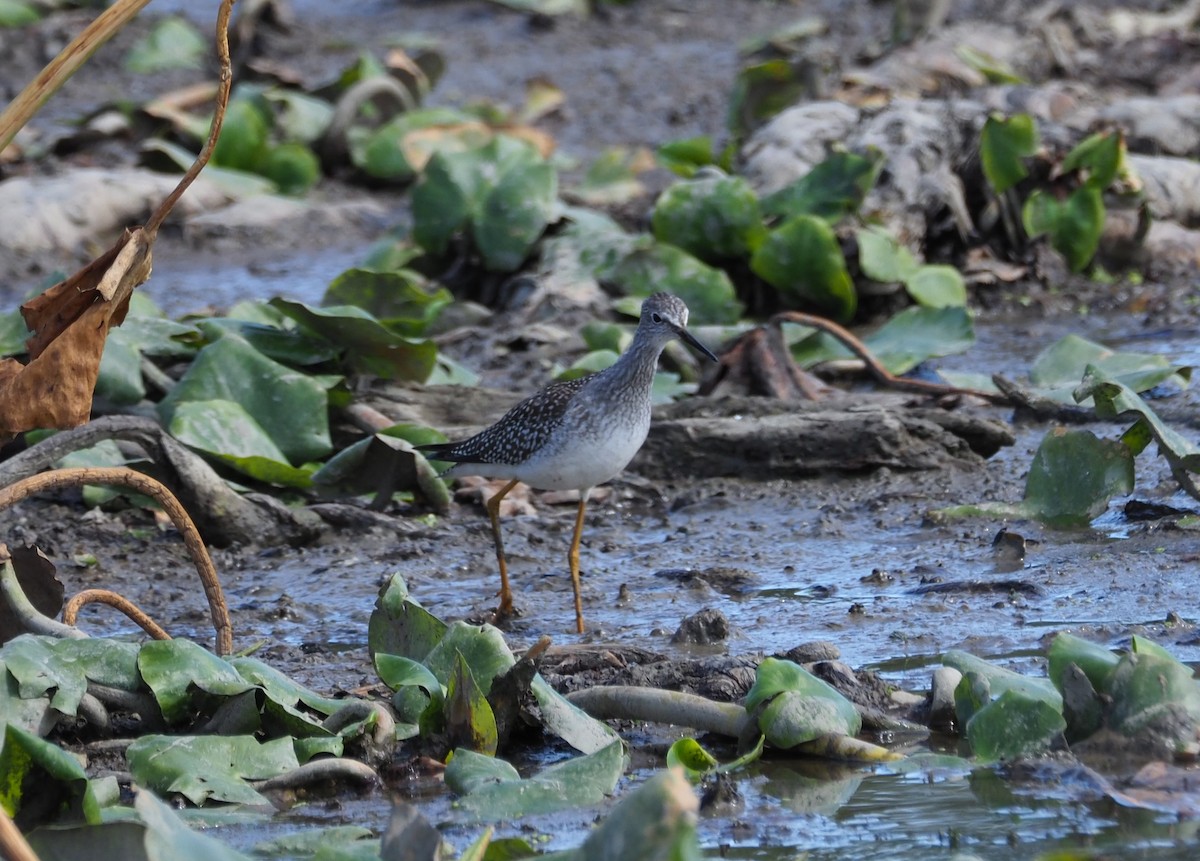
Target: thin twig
(67, 63)
(13, 845)
(120, 602)
(874, 367)
(226, 84)
(121, 476)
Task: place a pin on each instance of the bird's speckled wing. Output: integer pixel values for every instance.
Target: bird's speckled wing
(522, 431)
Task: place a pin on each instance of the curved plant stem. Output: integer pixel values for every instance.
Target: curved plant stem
(121, 476)
(874, 367)
(119, 602)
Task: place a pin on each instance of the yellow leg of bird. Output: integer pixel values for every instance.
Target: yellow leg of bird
(573, 559)
(493, 509)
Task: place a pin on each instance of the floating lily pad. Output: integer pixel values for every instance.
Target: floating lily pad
(493, 791)
(1058, 369)
(1073, 476)
(208, 767)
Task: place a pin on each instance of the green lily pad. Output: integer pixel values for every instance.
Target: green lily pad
(689, 755)
(468, 716)
(999, 680)
(299, 116)
(181, 674)
(882, 258)
(206, 767)
(282, 688)
(1014, 724)
(1073, 225)
(280, 340)
(1003, 146)
(655, 822)
(687, 155)
(120, 379)
(13, 334)
(913, 336)
(398, 297)
(40, 780)
(291, 406)
(803, 260)
(292, 166)
(244, 136)
(384, 464)
(43, 664)
(707, 291)
(399, 625)
(1114, 399)
(1096, 661)
(711, 218)
(224, 430)
(369, 345)
(493, 791)
(799, 706)
(1059, 368)
(937, 286)
(173, 44)
(832, 189)
(15, 13)
(1099, 157)
(1073, 476)
(1152, 688)
(515, 214)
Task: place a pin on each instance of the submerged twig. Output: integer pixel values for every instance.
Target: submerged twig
(121, 476)
(117, 601)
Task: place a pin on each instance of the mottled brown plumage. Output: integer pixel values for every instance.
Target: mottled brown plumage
(575, 434)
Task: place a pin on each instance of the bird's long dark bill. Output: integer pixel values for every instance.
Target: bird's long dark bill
(690, 339)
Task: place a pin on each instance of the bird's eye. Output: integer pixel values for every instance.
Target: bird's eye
(656, 317)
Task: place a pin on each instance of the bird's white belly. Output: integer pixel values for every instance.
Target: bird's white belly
(583, 461)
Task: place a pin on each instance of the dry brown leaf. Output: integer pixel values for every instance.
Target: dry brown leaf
(70, 323)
